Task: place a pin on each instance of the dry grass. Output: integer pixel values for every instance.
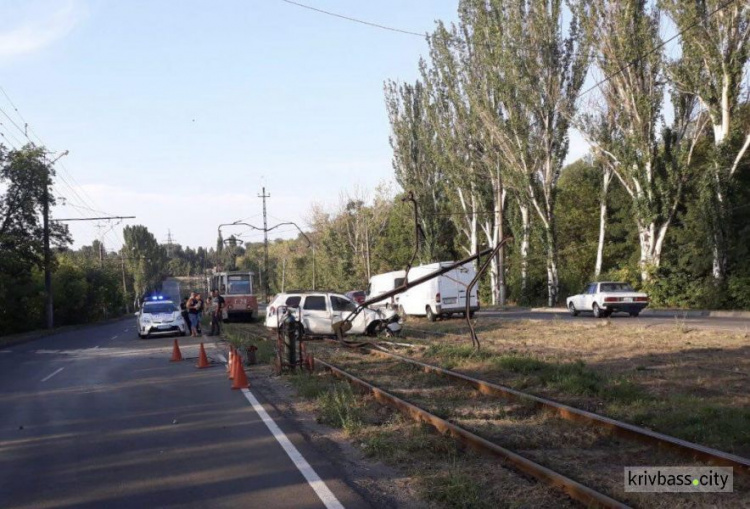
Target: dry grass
(694, 384)
(443, 473)
(587, 454)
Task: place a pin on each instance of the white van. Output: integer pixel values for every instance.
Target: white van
(440, 296)
(382, 283)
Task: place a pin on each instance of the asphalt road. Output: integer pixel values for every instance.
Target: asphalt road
(98, 418)
(657, 319)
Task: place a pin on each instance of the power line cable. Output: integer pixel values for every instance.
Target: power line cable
(355, 20)
(86, 201)
(655, 49)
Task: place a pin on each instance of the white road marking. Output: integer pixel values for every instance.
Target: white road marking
(316, 483)
(97, 346)
(114, 337)
(51, 375)
(6, 351)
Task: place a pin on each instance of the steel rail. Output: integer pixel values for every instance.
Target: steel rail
(696, 451)
(574, 489)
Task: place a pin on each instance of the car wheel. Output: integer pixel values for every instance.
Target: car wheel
(598, 313)
(430, 315)
(635, 314)
(471, 314)
(573, 310)
(183, 333)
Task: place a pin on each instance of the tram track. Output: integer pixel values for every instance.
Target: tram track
(538, 437)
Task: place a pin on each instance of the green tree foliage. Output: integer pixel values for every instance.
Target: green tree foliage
(146, 259)
(25, 176)
(715, 50)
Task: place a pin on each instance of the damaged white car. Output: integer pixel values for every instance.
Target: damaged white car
(320, 312)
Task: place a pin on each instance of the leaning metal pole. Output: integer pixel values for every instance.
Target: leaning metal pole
(341, 327)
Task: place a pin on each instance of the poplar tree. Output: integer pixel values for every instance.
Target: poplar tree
(714, 58)
(534, 63)
(628, 132)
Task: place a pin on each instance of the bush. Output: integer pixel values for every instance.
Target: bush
(738, 292)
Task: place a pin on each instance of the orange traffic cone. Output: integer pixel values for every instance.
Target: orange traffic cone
(240, 378)
(176, 354)
(202, 359)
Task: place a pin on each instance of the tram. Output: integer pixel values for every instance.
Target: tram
(237, 289)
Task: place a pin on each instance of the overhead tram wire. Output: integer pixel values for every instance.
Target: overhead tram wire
(354, 20)
(88, 201)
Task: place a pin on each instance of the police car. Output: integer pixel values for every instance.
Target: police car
(160, 316)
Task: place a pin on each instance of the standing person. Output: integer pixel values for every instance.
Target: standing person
(217, 313)
(192, 307)
(200, 306)
(184, 312)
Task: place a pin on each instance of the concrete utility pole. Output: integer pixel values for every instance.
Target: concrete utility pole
(265, 240)
(49, 304)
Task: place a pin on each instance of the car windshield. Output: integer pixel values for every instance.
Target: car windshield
(615, 287)
(158, 309)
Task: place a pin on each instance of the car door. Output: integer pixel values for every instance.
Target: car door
(588, 297)
(341, 308)
(316, 315)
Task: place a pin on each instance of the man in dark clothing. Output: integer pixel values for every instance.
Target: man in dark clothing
(184, 313)
(199, 307)
(217, 311)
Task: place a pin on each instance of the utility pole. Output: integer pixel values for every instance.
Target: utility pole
(265, 240)
(49, 304)
(124, 285)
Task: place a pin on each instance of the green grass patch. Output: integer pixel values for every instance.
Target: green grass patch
(310, 386)
(243, 336)
(574, 378)
(401, 446)
(455, 488)
(690, 418)
(338, 407)
(519, 364)
(453, 355)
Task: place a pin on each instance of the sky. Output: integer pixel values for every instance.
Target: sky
(179, 113)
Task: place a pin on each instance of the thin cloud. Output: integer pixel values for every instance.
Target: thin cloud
(40, 30)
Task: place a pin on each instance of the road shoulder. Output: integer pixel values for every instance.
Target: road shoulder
(328, 450)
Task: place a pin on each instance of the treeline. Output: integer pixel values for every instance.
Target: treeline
(480, 139)
(482, 136)
(89, 284)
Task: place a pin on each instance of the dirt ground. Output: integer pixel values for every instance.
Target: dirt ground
(694, 384)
